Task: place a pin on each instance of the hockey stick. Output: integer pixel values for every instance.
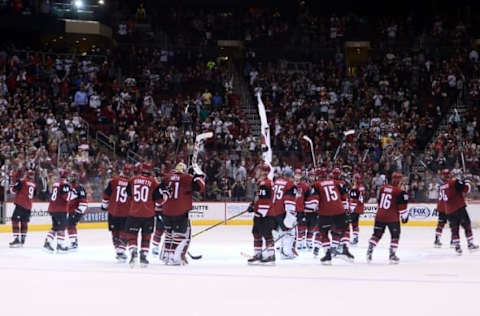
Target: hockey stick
(196, 148)
(219, 223)
(345, 134)
(305, 137)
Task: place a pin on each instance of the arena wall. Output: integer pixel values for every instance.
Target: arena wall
(209, 213)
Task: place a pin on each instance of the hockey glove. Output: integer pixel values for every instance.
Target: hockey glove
(404, 217)
(250, 208)
(290, 220)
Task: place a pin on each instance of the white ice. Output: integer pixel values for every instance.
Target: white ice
(428, 281)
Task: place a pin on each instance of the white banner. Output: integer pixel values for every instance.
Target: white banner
(208, 210)
(418, 212)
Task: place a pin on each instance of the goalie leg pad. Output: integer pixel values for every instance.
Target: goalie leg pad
(288, 244)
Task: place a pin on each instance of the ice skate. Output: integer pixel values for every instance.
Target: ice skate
(369, 253)
(393, 258)
(133, 259)
(155, 251)
(458, 249)
(255, 259)
(268, 261)
(16, 243)
(121, 257)
(73, 246)
(47, 247)
(61, 249)
(327, 259)
(354, 241)
(437, 243)
(345, 254)
(316, 251)
(472, 247)
(143, 259)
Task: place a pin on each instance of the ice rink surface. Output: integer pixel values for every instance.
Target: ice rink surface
(428, 281)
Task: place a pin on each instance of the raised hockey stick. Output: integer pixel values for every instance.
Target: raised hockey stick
(345, 134)
(305, 137)
(196, 148)
(219, 223)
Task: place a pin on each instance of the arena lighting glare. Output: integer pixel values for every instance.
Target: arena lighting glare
(78, 4)
(101, 2)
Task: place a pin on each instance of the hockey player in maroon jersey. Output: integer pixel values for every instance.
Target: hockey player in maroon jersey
(77, 207)
(284, 213)
(310, 207)
(302, 191)
(332, 218)
(262, 226)
(24, 190)
(58, 209)
(117, 202)
(356, 205)
(146, 194)
(337, 177)
(159, 228)
(442, 217)
(452, 192)
(392, 206)
(174, 213)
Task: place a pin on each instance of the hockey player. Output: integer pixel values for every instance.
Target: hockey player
(392, 205)
(302, 191)
(117, 202)
(159, 229)
(24, 190)
(262, 226)
(58, 209)
(145, 196)
(331, 217)
(77, 207)
(356, 205)
(284, 213)
(442, 217)
(175, 212)
(337, 177)
(310, 210)
(452, 192)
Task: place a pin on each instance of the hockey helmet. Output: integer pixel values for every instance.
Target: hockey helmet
(146, 167)
(321, 173)
(127, 169)
(445, 174)
(30, 174)
(63, 173)
(288, 172)
(181, 167)
(336, 173)
(396, 178)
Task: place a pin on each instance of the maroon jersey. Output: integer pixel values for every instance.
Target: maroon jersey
(311, 200)
(115, 197)
(440, 202)
(143, 192)
(263, 199)
(356, 199)
(181, 187)
(392, 202)
(59, 198)
(24, 192)
(329, 193)
(452, 194)
(284, 195)
(78, 200)
(302, 191)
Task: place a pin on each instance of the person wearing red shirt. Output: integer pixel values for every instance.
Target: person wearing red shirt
(174, 213)
(58, 209)
(393, 202)
(283, 211)
(117, 203)
(146, 195)
(442, 217)
(262, 228)
(310, 207)
(330, 194)
(77, 207)
(24, 190)
(452, 192)
(302, 191)
(356, 205)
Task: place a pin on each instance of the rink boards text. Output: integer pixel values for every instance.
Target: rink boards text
(209, 213)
